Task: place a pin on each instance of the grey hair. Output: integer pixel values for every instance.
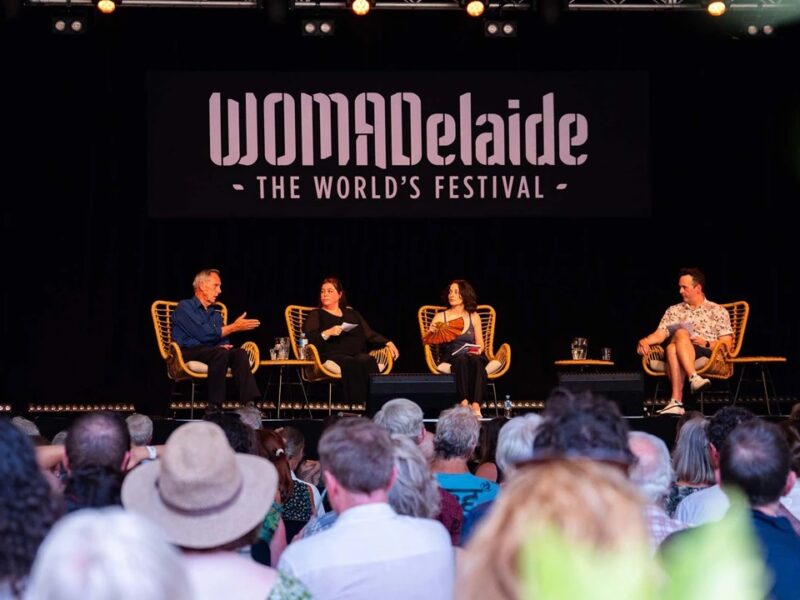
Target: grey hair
(515, 442)
(141, 429)
(110, 553)
(26, 426)
(456, 433)
(400, 416)
(415, 492)
(293, 440)
(691, 457)
(251, 416)
(60, 438)
(202, 276)
(652, 471)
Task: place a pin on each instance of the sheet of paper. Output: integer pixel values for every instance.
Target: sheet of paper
(683, 325)
(465, 347)
(349, 326)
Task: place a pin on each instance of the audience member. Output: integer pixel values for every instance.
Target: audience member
(790, 503)
(211, 501)
(487, 449)
(250, 416)
(104, 554)
(755, 459)
(240, 436)
(652, 475)
(687, 416)
(404, 417)
(92, 486)
(711, 503)
(97, 453)
(456, 437)
(140, 428)
(371, 551)
(582, 425)
(60, 438)
(26, 426)
(415, 492)
(515, 442)
(27, 509)
(296, 498)
(303, 470)
(691, 460)
(591, 504)
(514, 446)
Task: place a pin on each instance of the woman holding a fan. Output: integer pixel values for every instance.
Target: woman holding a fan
(458, 330)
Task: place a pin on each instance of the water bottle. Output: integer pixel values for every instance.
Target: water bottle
(508, 407)
(302, 347)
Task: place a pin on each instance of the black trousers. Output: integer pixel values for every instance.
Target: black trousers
(470, 375)
(355, 375)
(219, 359)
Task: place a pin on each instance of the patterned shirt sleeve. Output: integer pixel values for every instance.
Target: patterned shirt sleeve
(288, 588)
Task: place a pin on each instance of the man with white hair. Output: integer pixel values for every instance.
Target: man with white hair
(401, 416)
(141, 429)
(652, 474)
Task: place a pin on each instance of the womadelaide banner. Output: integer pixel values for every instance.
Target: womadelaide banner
(398, 144)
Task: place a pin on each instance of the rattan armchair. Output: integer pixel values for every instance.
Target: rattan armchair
(325, 371)
(499, 362)
(179, 370)
(716, 366)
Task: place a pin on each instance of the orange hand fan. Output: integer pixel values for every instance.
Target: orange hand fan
(444, 332)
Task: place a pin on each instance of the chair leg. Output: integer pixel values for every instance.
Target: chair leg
(330, 398)
(764, 372)
(494, 395)
(191, 404)
(303, 388)
(739, 385)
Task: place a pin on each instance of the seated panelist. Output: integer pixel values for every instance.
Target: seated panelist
(454, 327)
(344, 337)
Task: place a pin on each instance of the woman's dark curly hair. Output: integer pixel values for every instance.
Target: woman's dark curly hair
(27, 507)
(468, 294)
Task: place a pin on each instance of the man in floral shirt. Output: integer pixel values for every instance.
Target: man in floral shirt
(691, 330)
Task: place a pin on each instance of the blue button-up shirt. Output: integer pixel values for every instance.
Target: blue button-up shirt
(193, 325)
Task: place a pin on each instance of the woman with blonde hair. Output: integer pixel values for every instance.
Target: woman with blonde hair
(590, 503)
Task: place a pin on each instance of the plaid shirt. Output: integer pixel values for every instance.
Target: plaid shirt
(660, 525)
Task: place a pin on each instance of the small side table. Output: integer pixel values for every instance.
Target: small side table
(763, 363)
(281, 363)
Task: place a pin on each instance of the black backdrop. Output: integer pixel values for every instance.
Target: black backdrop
(83, 262)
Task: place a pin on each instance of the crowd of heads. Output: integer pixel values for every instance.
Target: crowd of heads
(575, 469)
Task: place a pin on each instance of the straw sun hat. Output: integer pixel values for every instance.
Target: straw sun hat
(200, 492)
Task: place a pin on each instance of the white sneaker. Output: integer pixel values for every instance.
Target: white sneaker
(672, 408)
(697, 383)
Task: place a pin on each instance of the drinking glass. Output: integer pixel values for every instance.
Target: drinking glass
(578, 348)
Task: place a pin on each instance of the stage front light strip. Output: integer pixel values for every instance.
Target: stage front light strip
(70, 408)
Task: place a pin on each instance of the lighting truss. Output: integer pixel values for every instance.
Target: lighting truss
(446, 5)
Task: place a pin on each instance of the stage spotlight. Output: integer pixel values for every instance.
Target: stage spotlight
(68, 25)
(361, 7)
(717, 8)
(106, 6)
(318, 27)
(752, 30)
(768, 29)
(475, 8)
(500, 29)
